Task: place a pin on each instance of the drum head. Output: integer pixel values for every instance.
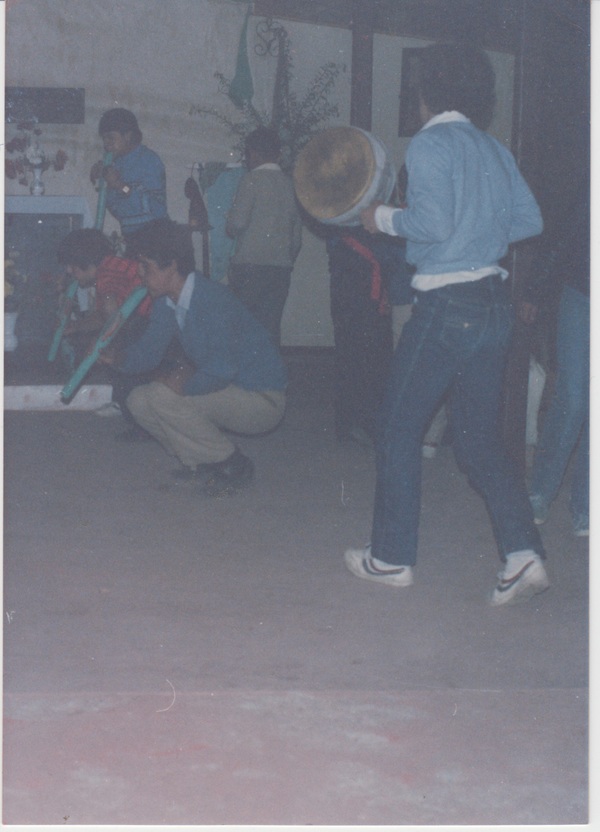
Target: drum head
(333, 172)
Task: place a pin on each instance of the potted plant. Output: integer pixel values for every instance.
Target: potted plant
(30, 160)
(296, 117)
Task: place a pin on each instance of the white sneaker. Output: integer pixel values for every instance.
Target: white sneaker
(522, 577)
(108, 409)
(361, 564)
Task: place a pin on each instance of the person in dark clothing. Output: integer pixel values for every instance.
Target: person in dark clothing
(366, 274)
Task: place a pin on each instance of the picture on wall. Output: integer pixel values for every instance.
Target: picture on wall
(44, 105)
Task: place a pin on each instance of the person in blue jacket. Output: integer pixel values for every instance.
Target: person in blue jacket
(136, 190)
(566, 427)
(233, 378)
(466, 203)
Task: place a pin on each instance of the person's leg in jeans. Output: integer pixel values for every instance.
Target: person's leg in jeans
(569, 406)
(400, 316)
(435, 433)
(456, 335)
(422, 370)
(580, 487)
(475, 409)
(478, 445)
(437, 427)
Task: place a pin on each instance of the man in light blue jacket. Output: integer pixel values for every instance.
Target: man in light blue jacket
(466, 203)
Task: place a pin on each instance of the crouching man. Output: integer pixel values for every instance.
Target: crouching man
(234, 379)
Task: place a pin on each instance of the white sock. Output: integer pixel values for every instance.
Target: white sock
(517, 560)
(381, 564)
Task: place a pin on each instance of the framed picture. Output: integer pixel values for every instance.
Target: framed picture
(44, 105)
(409, 121)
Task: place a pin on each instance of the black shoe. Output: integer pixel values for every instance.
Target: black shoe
(229, 476)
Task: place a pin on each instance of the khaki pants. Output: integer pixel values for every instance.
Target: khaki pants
(190, 427)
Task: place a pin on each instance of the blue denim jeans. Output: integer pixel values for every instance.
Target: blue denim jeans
(456, 341)
(567, 419)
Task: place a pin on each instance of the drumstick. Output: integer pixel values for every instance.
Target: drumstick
(110, 329)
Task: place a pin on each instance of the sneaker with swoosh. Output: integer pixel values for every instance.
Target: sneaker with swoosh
(522, 578)
(363, 565)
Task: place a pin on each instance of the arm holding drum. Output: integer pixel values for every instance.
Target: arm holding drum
(112, 326)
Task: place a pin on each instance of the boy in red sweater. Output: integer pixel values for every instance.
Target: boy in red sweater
(88, 257)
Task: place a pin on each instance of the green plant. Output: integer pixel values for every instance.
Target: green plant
(296, 117)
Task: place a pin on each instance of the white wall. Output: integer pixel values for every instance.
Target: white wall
(151, 56)
(386, 92)
(158, 58)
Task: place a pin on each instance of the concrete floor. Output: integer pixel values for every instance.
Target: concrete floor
(170, 659)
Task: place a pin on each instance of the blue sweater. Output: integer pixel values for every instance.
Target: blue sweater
(144, 172)
(222, 340)
(467, 200)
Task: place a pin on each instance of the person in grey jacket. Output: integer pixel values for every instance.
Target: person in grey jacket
(466, 203)
(265, 222)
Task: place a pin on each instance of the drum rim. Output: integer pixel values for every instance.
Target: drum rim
(323, 215)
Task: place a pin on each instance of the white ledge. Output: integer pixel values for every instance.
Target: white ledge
(49, 205)
(47, 397)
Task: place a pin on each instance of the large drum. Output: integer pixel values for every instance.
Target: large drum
(340, 172)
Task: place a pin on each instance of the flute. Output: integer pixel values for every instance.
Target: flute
(65, 312)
